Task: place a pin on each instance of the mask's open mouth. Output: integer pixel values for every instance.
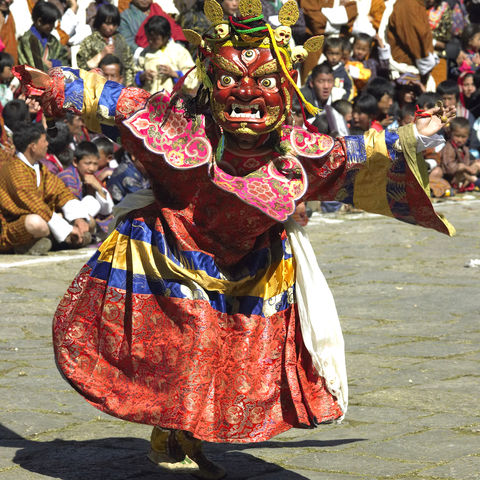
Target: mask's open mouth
(245, 113)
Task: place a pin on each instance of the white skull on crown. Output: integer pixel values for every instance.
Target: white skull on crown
(283, 35)
(222, 30)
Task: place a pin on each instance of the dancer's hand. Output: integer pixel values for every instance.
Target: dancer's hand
(434, 119)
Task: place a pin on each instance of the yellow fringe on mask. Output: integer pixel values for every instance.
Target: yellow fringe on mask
(310, 108)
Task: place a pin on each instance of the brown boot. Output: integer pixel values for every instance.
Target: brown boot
(192, 448)
(167, 453)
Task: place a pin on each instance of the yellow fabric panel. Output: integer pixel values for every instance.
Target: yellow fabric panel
(92, 89)
(142, 258)
(416, 163)
(371, 181)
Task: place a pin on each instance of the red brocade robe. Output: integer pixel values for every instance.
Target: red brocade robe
(186, 317)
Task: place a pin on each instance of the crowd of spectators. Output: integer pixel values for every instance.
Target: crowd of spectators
(381, 61)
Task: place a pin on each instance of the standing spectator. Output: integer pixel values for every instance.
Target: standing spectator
(163, 62)
(133, 19)
(440, 20)
(44, 16)
(105, 40)
(410, 37)
(8, 30)
(194, 18)
(230, 7)
(34, 203)
(325, 17)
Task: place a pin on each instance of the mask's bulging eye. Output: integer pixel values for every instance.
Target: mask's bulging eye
(226, 80)
(269, 82)
(249, 56)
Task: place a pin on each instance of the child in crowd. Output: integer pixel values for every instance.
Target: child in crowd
(105, 40)
(406, 114)
(383, 91)
(456, 164)
(365, 110)
(59, 154)
(6, 76)
(163, 62)
(81, 180)
(343, 84)
(360, 66)
(450, 93)
(345, 108)
(44, 15)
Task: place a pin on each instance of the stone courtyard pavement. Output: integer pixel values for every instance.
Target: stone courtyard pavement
(410, 311)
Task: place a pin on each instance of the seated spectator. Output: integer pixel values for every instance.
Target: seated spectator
(128, 177)
(53, 54)
(469, 57)
(6, 76)
(428, 100)
(14, 113)
(59, 154)
(105, 40)
(163, 62)
(406, 114)
(319, 85)
(365, 111)
(456, 165)
(106, 160)
(112, 68)
(466, 84)
(318, 92)
(450, 94)
(230, 7)
(77, 129)
(133, 19)
(35, 204)
(383, 91)
(343, 84)
(81, 180)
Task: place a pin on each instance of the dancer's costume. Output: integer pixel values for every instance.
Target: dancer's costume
(200, 312)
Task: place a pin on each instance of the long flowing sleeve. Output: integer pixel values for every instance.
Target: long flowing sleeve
(379, 172)
(103, 104)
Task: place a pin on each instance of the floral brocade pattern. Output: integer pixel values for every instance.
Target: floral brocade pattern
(183, 144)
(273, 188)
(182, 363)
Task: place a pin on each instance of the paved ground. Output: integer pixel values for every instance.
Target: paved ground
(410, 312)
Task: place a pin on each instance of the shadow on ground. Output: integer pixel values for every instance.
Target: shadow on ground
(124, 458)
